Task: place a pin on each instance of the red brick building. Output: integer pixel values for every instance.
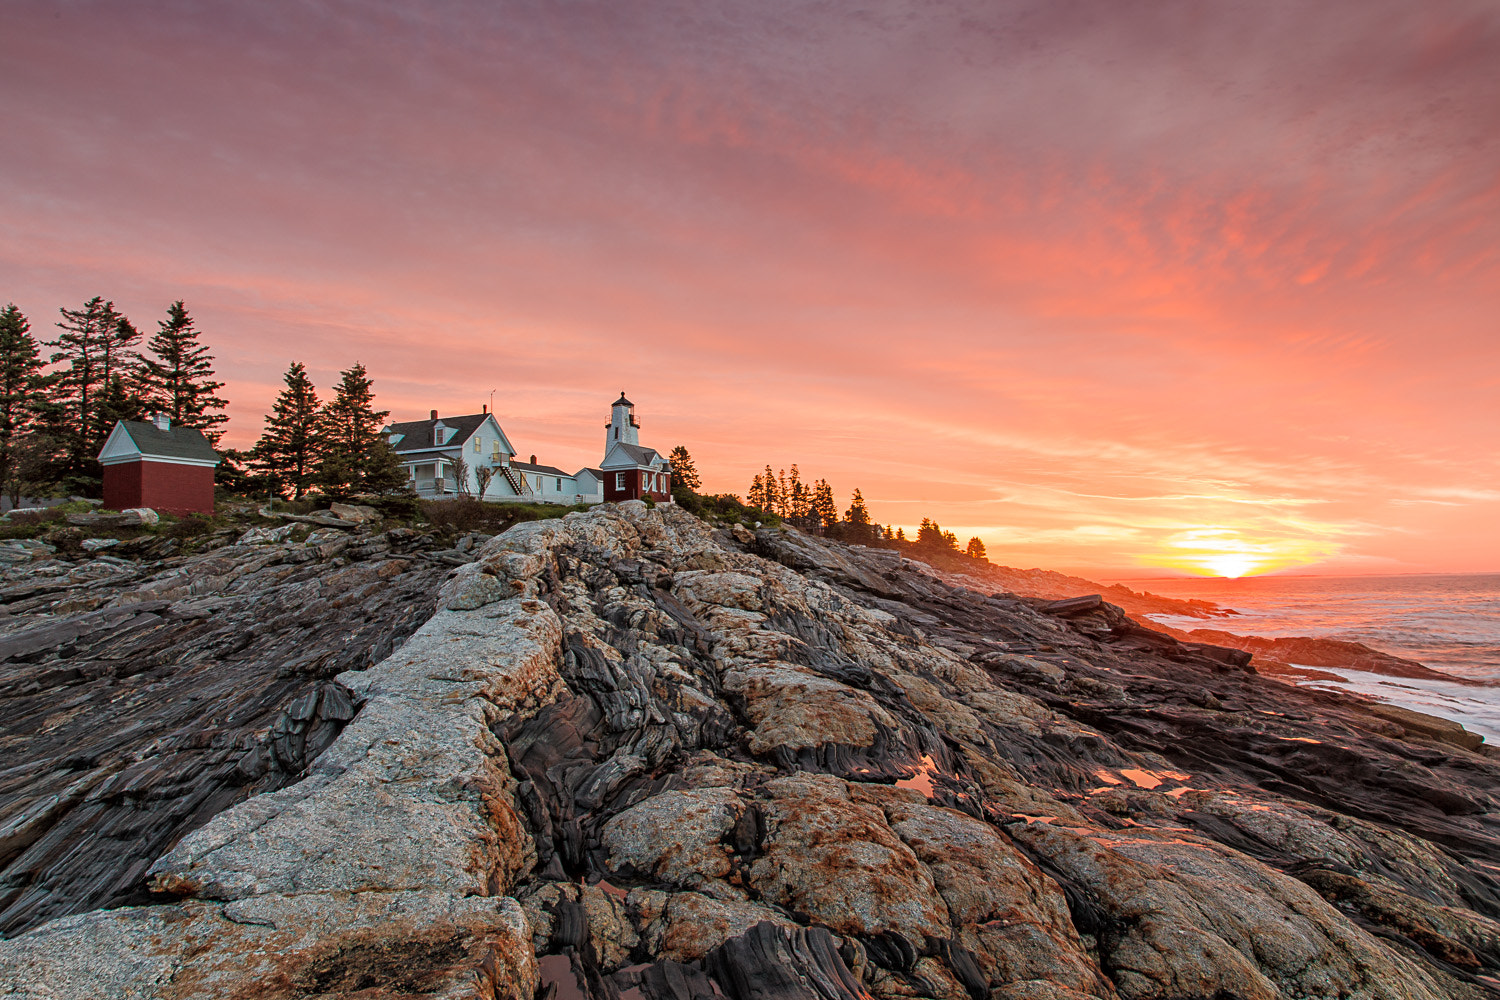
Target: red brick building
(153, 464)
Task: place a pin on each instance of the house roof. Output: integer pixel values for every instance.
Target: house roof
(645, 456)
(596, 473)
(635, 455)
(546, 470)
(416, 435)
(175, 442)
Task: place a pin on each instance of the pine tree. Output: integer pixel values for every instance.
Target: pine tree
(756, 496)
(684, 473)
(798, 498)
(76, 388)
(357, 457)
(772, 493)
(95, 346)
(120, 400)
(179, 380)
(929, 535)
(289, 449)
(823, 506)
(21, 385)
(857, 514)
(975, 549)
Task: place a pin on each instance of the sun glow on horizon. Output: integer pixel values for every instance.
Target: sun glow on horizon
(1230, 553)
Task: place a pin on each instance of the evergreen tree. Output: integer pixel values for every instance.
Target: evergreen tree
(684, 473)
(932, 537)
(179, 379)
(120, 400)
(289, 449)
(929, 535)
(76, 388)
(94, 346)
(772, 493)
(783, 496)
(823, 506)
(21, 393)
(357, 459)
(857, 515)
(901, 535)
(799, 497)
(756, 497)
(975, 549)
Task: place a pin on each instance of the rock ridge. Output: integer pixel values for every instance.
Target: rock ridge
(632, 755)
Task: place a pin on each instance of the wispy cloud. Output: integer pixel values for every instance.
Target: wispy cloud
(1076, 276)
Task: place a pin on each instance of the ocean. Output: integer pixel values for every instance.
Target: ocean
(1448, 622)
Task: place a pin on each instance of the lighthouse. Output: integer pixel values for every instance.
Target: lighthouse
(630, 471)
(622, 425)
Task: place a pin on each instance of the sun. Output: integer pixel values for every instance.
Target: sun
(1232, 552)
(1231, 564)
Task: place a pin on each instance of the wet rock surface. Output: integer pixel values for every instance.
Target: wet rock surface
(631, 756)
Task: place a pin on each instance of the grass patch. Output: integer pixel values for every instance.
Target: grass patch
(465, 514)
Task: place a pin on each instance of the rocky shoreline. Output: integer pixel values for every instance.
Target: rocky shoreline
(626, 754)
(1290, 658)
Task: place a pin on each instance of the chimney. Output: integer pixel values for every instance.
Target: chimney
(533, 459)
(434, 415)
(162, 422)
(485, 408)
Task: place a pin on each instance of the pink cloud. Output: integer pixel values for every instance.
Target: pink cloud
(987, 262)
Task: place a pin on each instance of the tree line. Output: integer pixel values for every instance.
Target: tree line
(60, 398)
(811, 506)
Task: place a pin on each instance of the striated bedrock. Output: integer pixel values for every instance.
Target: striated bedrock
(141, 696)
(630, 752)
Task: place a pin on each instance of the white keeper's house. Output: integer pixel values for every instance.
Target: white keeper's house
(433, 451)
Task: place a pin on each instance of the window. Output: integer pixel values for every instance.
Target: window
(617, 433)
(619, 480)
(559, 485)
(478, 444)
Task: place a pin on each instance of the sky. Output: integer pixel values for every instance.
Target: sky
(1125, 289)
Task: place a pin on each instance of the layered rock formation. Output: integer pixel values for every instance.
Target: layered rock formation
(631, 756)
(140, 697)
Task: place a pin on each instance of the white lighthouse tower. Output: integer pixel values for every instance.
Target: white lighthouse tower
(622, 425)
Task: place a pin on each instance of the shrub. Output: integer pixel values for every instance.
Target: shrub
(722, 507)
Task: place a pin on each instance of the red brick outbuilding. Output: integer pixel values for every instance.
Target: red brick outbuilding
(153, 464)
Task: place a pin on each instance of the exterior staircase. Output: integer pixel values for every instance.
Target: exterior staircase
(522, 488)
